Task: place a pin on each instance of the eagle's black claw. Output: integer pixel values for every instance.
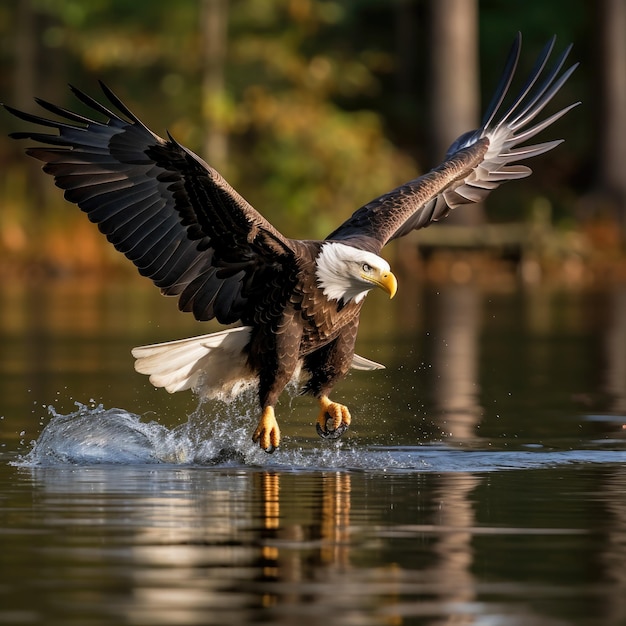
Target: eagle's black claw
(328, 432)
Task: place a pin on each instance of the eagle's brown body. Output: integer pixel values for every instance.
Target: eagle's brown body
(293, 327)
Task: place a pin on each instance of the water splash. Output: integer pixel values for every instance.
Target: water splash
(218, 435)
(94, 434)
(215, 434)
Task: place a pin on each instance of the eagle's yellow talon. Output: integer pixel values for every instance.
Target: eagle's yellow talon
(267, 433)
(333, 419)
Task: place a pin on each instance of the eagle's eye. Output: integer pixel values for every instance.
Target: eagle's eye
(366, 268)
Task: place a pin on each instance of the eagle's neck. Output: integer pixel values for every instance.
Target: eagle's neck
(333, 273)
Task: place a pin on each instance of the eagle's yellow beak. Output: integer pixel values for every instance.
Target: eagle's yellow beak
(387, 282)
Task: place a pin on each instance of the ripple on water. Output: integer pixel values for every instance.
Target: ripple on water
(95, 435)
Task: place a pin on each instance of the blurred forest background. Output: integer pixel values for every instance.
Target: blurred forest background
(310, 108)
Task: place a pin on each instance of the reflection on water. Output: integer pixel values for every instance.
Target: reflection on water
(481, 482)
(164, 545)
(613, 555)
(456, 387)
(615, 347)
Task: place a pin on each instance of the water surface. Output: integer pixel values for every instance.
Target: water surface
(482, 481)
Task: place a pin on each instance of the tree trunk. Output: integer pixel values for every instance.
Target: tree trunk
(27, 83)
(611, 177)
(214, 27)
(454, 83)
(25, 34)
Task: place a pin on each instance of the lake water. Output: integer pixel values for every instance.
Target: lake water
(482, 481)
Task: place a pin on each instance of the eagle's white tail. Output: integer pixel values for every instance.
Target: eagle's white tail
(213, 365)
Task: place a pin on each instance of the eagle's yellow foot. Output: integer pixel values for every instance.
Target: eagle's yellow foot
(267, 433)
(333, 420)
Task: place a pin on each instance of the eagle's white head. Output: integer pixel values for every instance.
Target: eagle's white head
(345, 273)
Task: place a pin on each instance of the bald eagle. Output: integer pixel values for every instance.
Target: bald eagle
(296, 303)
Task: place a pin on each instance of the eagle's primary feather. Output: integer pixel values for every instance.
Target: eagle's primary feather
(297, 303)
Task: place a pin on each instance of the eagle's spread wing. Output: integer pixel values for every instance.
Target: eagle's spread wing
(169, 212)
(476, 163)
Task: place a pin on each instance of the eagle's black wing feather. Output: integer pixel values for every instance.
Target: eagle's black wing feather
(476, 163)
(158, 203)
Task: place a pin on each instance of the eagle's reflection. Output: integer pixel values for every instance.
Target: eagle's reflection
(324, 533)
(314, 556)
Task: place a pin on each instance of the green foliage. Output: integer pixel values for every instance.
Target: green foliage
(305, 161)
(315, 120)
(315, 163)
